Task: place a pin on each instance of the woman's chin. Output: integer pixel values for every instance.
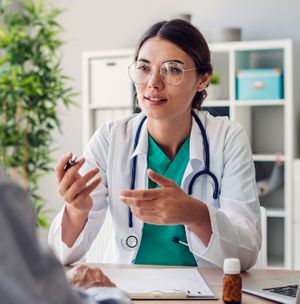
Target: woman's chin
(154, 109)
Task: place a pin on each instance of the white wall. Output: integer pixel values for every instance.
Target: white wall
(99, 24)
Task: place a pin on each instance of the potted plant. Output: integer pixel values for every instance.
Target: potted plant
(32, 87)
(214, 88)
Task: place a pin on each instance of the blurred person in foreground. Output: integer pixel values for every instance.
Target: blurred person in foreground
(30, 274)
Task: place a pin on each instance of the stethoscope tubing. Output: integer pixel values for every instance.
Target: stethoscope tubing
(206, 170)
(133, 173)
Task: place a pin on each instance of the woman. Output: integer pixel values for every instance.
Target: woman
(169, 175)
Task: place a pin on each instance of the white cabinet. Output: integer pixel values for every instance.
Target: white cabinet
(107, 90)
(109, 85)
(270, 124)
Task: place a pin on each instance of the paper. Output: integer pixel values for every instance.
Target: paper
(160, 282)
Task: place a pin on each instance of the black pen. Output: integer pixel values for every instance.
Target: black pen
(71, 162)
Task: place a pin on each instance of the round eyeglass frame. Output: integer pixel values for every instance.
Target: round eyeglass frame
(160, 72)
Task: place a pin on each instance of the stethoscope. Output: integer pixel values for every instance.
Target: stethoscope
(130, 241)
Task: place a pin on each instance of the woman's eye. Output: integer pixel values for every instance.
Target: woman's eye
(143, 67)
(174, 70)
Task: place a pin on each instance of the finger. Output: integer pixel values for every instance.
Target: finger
(138, 203)
(154, 220)
(160, 180)
(148, 194)
(80, 199)
(76, 274)
(102, 279)
(144, 212)
(148, 216)
(75, 168)
(59, 169)
(79, 185)
(70, 176)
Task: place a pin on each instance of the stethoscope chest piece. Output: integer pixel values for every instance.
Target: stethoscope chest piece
(130, 240)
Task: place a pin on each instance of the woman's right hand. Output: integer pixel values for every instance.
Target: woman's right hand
(73, 187)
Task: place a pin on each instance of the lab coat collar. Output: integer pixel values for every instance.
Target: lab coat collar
(196, 140)
(142, 147)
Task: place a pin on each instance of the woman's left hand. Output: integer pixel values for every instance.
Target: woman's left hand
(168, 205)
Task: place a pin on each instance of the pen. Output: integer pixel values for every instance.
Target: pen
(71, 162)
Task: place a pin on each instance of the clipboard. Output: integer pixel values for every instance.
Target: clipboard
(161, 283)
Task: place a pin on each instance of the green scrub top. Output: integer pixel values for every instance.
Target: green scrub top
(157, 247)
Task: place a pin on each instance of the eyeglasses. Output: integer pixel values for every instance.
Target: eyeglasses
(171, 72)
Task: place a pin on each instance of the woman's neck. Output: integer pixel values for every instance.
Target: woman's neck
(170, 135)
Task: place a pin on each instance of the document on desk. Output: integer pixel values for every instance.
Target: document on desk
(165, 283)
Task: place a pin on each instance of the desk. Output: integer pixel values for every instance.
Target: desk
(214, 277)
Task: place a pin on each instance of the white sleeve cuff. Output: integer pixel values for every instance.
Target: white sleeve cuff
(226, 243)
(195, 244)
(65, 254)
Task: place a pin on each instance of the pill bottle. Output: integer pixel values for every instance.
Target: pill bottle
(232, 281)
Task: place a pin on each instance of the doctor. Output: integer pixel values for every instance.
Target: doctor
(178, 182)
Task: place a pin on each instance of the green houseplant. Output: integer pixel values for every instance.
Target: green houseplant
(32, 88)
(215, 79)
(214, 88)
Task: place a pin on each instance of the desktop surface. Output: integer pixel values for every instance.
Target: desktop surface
(214, 278)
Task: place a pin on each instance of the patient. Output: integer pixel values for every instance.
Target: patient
(30, 275)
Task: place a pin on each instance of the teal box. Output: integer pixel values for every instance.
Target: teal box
(259, 84)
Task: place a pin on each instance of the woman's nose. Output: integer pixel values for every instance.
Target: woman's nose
(155, 80)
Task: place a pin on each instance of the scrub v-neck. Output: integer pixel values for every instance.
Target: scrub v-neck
(157, 247)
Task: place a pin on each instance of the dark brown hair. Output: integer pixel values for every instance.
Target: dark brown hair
(190, 40)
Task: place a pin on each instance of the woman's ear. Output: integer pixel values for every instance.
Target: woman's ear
(204, 80)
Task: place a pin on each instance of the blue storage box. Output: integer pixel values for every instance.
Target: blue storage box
(259, 84)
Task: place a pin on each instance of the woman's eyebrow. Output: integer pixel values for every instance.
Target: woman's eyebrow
(174, 60)
(169, 60)
(143, 60)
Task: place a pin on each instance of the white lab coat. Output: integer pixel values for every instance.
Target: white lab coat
(235, 224)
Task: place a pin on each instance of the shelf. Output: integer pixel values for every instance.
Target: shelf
(275, 213)
(99, 107)
(259, 103)
(267, 157)
(275, 262)
(250, 45)
(265, 126)
(216, 103)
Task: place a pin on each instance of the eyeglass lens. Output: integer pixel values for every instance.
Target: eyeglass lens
(171, 72)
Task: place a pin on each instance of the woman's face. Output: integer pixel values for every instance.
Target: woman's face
(158, 99)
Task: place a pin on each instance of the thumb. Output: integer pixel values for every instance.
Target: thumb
(159, 179)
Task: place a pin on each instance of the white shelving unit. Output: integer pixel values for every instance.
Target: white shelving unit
(270, 124)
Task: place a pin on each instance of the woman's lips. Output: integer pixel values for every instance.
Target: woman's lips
(157, 100)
